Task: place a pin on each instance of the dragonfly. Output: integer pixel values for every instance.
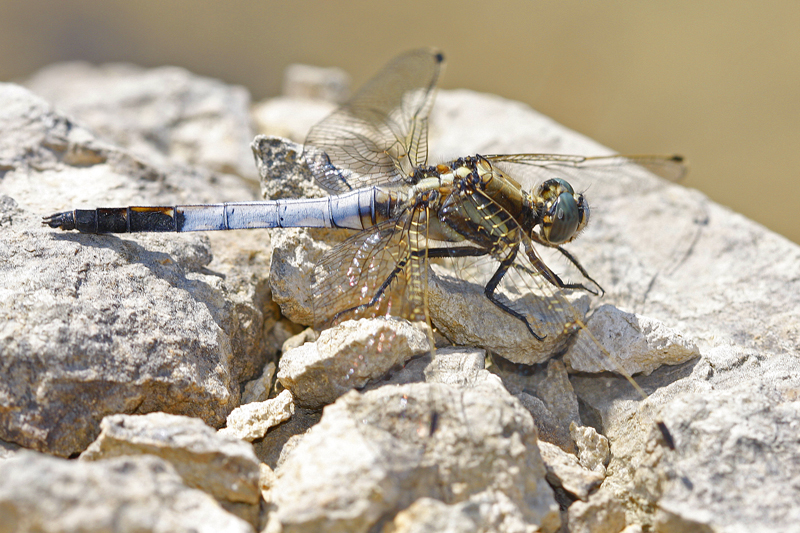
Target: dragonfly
(371, 156)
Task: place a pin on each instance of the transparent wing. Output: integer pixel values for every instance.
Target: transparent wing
(374, 273)
(581, 171)
(381, 134)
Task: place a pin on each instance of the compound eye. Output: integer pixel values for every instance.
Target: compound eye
(564, 217)
(554, 186)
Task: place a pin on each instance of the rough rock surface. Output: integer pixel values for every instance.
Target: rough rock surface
(348, 356)
(639, 344)
(41, 493)
(373, 454)
(252, 420)
(257, 390)
(222, 466)
(96, 325)
(564, 471)
(160, 114)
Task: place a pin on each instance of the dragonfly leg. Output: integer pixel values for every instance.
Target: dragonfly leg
(399, 267)
(554, 279)
(585, 274)
(505, 264)
(463, 251)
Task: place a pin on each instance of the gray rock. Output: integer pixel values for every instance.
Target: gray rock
(347, 356)
(160, 114)
(731, 416)
(547, 395)
(307, 81)
(659, 250)
(564, 471)
(257, 390)
(463, 314)
(724, 282)
(593, 452)
(374, 454)
(639, 344)
(8, 449)
(224, 467)
(601, 514)
(41, 493)
(96, 325)
(251, 421)
(279, 441)
(483, 512)
(290, 117)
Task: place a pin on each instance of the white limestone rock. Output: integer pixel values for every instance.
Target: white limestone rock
(347, 356)
(251, 421)
(143, 493)
(224, 467)
(161, 114)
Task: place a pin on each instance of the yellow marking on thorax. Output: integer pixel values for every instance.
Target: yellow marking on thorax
(462, 172)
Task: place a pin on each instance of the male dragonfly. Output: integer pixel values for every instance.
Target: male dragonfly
(371, 155)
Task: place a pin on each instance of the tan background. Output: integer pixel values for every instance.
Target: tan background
(716, 81)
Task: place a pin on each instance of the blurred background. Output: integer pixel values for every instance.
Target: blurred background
(717, 81)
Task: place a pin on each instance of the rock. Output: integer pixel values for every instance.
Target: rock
(97, 325)
(463, 314)
(547, 395)
(374, 454)
(257, 390)
(483, 512)
(160, 114)
(41, 493)
(279, 441)
(455, 365)
(722, 281)
(347, 356)
(601, 514)
(593, 452)
(152, 317)
(252, 421)
(294, 258)
(564, 471)
(307, 335)
(290, 117)
(8, 450)
(731, 416)
(224, 467)
(638, 344)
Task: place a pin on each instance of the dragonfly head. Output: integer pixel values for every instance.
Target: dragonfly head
(564, 214)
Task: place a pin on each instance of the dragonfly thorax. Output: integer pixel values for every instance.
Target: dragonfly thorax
(563, 213)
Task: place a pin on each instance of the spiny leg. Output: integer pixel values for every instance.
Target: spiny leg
(505, 264)
(553, 278)
(468, 251)
(572, 259)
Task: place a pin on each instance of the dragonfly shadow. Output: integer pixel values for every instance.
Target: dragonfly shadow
(171, 266)
(188, 256)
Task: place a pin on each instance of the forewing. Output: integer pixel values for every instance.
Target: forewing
(381, 134)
